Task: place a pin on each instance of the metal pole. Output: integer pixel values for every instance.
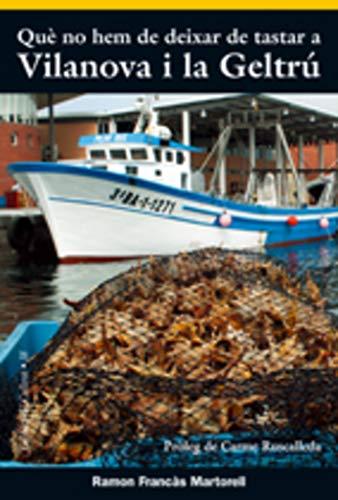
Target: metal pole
(252, 147)
(252, 163)
(221, 144)
(300, 152)
(290, 161)
(51, 129)
(280, 171)
(112, 126)
(302, 176)
(321, 154)
(186, 127)
(222, 161)
(186, 130)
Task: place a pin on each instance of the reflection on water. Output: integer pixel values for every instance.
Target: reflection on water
(321, 260)
(319, 255)
(30, 292)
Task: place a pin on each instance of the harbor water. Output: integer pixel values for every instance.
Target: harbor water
(32, 292)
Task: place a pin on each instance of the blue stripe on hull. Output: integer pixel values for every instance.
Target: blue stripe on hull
(112, 206)
(278, 232)
(271, 226)
(54, 168)
(303, 232)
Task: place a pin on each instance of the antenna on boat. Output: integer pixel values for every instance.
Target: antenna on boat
(148, 117)
(147, 121)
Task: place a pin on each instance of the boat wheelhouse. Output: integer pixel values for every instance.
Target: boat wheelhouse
(142, 155)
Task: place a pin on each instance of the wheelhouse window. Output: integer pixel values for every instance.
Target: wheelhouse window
(131, 170)
(97, 154)
(139, 154)
(179, 157)
(169, 157)
(158, 155)
(118, 154)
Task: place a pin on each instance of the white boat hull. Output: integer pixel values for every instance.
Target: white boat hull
(85, 224)
(103, 216)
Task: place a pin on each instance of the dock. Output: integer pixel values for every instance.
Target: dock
(8, 214)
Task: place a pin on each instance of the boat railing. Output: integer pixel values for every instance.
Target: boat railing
(75, 161)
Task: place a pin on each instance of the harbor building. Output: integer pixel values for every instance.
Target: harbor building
(19, 134)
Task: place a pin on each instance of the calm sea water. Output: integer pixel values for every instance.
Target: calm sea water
(31, 292)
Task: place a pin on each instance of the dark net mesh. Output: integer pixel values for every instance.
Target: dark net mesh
(193, 360)
(8, 409)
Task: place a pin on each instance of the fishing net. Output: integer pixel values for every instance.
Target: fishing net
(8, 409)
(156, 362)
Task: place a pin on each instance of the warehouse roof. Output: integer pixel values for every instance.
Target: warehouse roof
(42, 99)
(315, 116)
(100, 105)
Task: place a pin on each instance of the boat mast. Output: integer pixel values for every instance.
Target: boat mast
(281, 174)
(220, 166)
(148, 118)
(283, 157)
(299, 191)
(222, 178)
(252, 165)
(301, 165)
(186, 131)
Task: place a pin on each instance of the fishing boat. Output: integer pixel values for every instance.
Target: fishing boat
(136, 194)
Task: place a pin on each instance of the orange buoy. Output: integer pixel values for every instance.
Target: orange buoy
(292, 220)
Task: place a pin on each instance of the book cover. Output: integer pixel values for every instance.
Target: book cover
(168, 221)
